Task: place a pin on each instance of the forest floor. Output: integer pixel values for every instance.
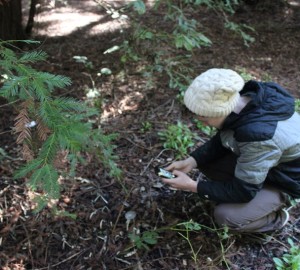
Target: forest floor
(99, 237)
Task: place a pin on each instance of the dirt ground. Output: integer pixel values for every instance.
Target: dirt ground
(99, 237)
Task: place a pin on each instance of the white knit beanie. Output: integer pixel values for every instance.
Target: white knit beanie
(214, 93)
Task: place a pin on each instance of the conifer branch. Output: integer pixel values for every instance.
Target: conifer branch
(49, 149)
(32, 57)
(62, 123)
(21, 124)
(28, 168)
(42, 130)
(27, 152)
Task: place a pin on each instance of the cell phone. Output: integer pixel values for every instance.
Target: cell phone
(164, 173)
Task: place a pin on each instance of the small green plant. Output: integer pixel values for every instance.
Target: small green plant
(209, 131)
(177, 68)
(129, 53)
(244, 74)
(186, 34)
(241, 30)
(144, 239)
(297, 105)
(84, 60)
(188, 227)
(3, 154)
(139, 6)
(290, 260)
(266, 77)
(179, 138)
(146, 126)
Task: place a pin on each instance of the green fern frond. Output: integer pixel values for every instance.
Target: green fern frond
(49, 149)
(50, 115)
(60, 112)
(38, 88)
(11, 87)
(7, 53)
(69, 144)
(10, 62)
(29, 167)
(69, 104)
(32, 57)
(46, 178)
(73, 159)
(41, 202)
(102, 145)
(50, 183)
(53, 81)
(10, 42)
(73, 137)
(7, 58)
(23, 70)
(36, 178)
(84, 115)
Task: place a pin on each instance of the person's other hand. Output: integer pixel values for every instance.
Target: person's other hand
(181, 181)
(183, 165)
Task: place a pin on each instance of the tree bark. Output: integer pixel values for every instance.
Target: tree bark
(32, 13)
(11, 27)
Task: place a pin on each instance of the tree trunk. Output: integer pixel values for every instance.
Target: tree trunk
(32, 13)
(11, 20)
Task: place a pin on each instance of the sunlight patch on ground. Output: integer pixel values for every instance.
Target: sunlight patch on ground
(67, 20)
(295, 3)
(129, 102)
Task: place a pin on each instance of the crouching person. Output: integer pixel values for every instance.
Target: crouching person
(253, 161)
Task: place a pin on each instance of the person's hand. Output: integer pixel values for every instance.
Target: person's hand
(183, 165)
(181, 181)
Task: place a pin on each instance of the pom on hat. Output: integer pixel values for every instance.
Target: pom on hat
(214, 93)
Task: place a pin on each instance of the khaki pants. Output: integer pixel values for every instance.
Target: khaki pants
(261, 214)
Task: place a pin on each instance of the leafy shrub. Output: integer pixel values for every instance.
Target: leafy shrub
(144, 239)
(291, 260)
(156, 50)
(47, 125)
(209, 131)
(179, 138)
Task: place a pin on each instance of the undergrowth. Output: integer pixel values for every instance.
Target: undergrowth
(46, 125)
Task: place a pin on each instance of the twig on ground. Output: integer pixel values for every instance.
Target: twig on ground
(152, 159)
(63, 261)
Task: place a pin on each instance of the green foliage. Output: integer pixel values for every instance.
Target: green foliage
(210, 131)
(184, 229)
(177, 68)
(146, 126)
(144, 239)
(244, 74)
(84, 60)
(240, 29)
(179, 138)
(297, 105)
(156, 49)
(139, 6)
(3, 154)
(47, 125)
(129, 53)
(185, 33)
(290, 260)
(103, 147)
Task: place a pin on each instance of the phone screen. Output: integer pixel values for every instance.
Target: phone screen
(164, 173)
